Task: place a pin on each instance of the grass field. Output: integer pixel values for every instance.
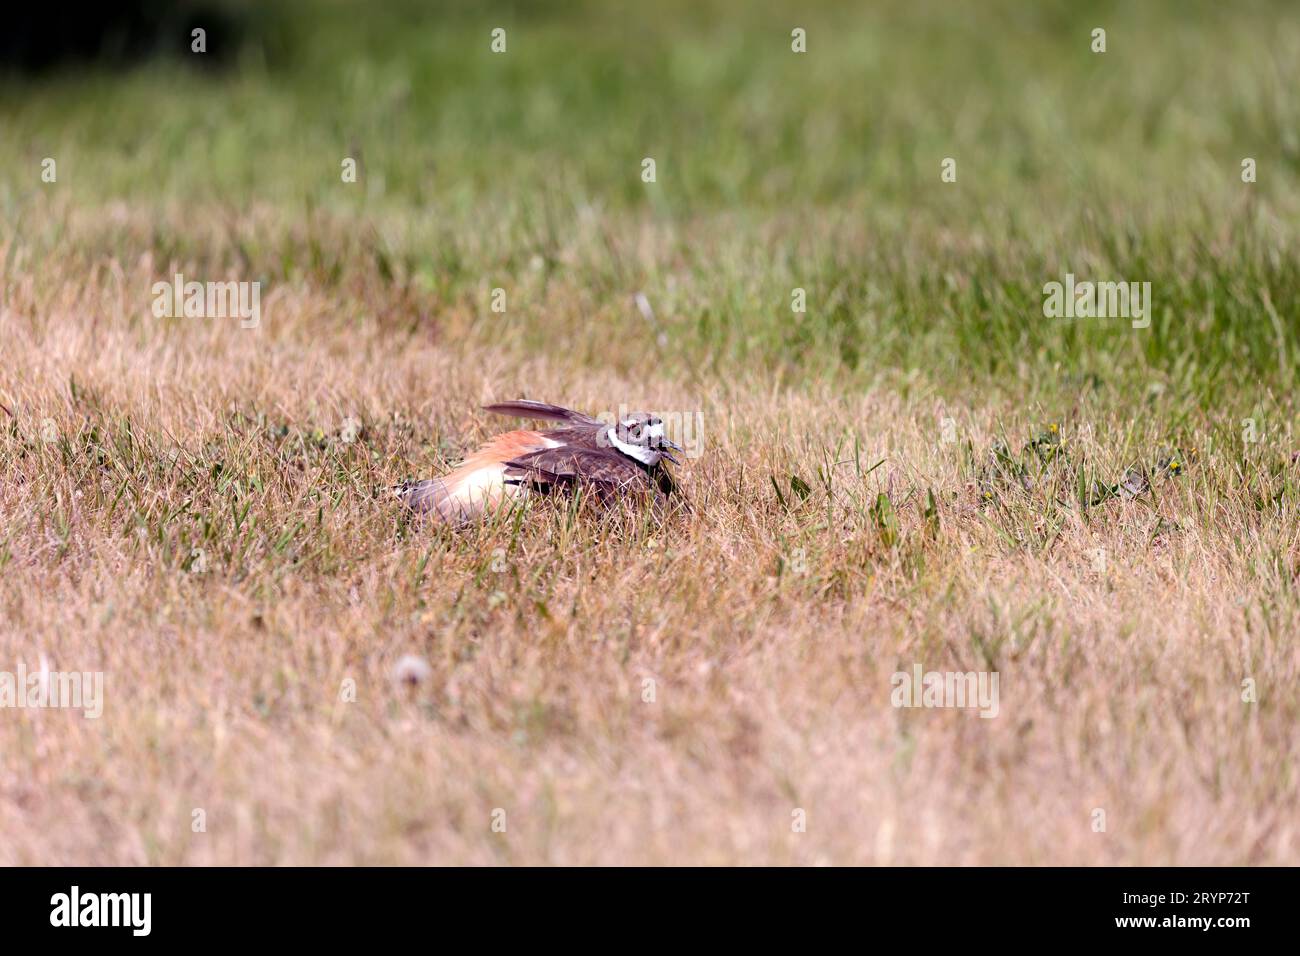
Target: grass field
(920, 468)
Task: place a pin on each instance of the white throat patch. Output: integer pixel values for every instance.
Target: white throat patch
(647, 456)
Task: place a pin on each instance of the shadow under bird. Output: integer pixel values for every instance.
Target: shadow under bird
(623, 460)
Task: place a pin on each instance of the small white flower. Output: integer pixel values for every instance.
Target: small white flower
(350, 430)
(411, 671)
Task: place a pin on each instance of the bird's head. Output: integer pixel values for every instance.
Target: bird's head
(640, 435)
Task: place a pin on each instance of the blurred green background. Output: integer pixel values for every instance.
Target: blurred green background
(775, 170)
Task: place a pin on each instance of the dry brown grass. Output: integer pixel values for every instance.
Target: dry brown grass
(1121, 689)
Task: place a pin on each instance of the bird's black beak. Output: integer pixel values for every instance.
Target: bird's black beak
(665, 443)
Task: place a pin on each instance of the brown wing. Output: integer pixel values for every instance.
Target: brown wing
(526, 408)
(604, 468)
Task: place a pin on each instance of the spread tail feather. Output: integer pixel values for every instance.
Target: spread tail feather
(459, 497)
(462, 495)
(424, 496)
(478, 484)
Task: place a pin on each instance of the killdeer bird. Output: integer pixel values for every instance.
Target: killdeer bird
(620, 460)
